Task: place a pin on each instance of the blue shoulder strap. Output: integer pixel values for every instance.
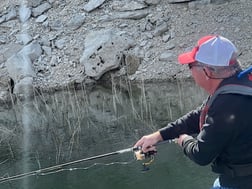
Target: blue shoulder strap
(248, 70)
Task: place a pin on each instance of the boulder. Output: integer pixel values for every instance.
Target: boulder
(103, 52)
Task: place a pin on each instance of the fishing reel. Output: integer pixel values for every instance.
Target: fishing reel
(148, 157)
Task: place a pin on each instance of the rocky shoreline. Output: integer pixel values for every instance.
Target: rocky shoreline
(50, 45)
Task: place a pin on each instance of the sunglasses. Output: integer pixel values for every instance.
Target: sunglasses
(191, 65)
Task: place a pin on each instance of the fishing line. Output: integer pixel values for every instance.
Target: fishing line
(88, 167)
(8, 178)
(57, 168)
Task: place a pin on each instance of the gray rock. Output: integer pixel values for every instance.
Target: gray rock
(12, 14)
(2, 59)
(41, 18)
(34, 3)
(47, 50)
(179, 1)
(134, 15)
(56, 25)
(45, 41)
(161, 29)
(33, 51)
(98, 57)
(198, 4)
(19, 66)
(10, 50)
(41, 9)
(93, 41)
(24, 38)
(51, 1)
(24, 13)
(132, 63)
(170, 46)
(165, 56)
(130, 6)
(3, 40)
(166, 38)
(2, 19)
(45, 24)
(219, 1)
(60, 43)
(76, 21)
(152, 2)
(93, 4)
(54, 61)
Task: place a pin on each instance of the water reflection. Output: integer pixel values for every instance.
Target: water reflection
(72, 125)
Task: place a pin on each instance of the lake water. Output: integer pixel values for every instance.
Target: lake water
(73, 125)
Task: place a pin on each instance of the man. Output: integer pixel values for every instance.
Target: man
(223, 124)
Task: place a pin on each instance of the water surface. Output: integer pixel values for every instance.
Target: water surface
(72, 125)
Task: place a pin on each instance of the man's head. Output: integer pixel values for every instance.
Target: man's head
(211, 60)
(212, 50)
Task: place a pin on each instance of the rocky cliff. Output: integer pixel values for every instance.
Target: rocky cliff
(53, 44)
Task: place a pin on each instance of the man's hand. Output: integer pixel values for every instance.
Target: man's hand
(181, 139)
(147, 142)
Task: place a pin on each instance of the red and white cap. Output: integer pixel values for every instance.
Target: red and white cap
(212, 50)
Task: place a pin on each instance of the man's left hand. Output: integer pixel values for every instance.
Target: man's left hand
(181, 139)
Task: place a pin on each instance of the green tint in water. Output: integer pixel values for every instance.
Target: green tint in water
(73, 125)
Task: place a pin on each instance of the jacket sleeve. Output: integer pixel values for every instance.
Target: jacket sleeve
(215, 134)
(188, 124)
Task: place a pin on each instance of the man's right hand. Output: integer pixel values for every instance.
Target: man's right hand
(147, 142)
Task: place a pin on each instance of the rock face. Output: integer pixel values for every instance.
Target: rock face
(52, 44)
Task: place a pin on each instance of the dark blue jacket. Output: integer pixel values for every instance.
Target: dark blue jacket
(225, 139)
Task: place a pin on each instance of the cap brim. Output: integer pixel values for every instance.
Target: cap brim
(186, 58)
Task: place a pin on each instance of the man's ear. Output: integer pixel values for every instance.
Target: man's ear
(207, 72)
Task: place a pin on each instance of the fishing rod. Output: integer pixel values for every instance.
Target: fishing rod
(137, 150)
(60, 166)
